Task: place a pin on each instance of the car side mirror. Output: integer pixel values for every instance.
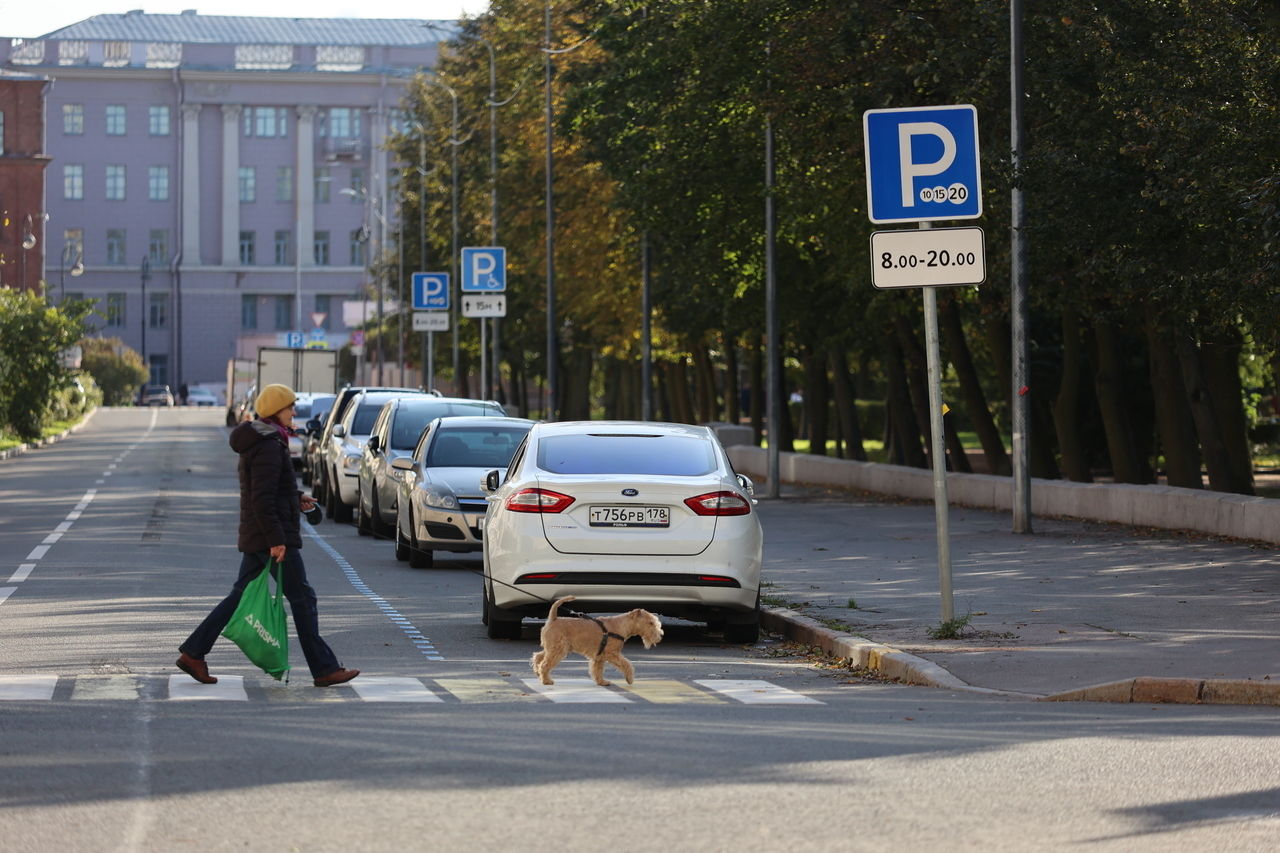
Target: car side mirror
(489, 484)
(339, 431)
(313, 425)
(404, 463)
(747, 486)
(373, 443)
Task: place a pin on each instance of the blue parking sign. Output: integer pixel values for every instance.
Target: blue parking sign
(430, 291)
(922, 163)
(484, 269)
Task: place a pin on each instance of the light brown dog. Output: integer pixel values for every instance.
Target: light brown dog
(597, 640)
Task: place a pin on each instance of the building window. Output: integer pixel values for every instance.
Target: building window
(159, 368)
(158, 311)
(115, 183)
(359, 240)
(73, 182)
(73, 53)
(284, 183)
(342, 123)
(163, 54)
(284, 248)
(73, 240)
(115, 54)
(323, 179)
(266, 122)
(158, 119)
(158, 246)
(264, 56)
(284, 313)
(248, 312)
(158, 183)
(357, 184)
(248, 183)
(116, 253)
(320, 249)
(73, 119)
(323, 301)
(339, 57)
(27, 52)
(115, 309)
(115, 120)
(246, 248)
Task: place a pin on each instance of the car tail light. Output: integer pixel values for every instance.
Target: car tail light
(719, 503)
(538, 500)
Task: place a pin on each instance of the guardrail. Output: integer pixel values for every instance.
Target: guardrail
(1168, 507)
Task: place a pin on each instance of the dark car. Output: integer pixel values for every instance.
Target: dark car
(308, 418)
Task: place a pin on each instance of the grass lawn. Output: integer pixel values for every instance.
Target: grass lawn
(7, 441)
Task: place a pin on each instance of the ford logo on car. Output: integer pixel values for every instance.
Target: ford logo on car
(631, 493)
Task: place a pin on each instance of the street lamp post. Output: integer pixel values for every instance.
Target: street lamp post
(146, 276)
(373, 205)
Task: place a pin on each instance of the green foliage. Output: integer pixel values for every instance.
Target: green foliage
(117, 369)
(33, 337)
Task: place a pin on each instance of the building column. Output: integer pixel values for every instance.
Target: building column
(231, 185)
(191, 185)
(305, 186)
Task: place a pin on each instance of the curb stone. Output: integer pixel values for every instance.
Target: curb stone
(911, 669)
(53, 439)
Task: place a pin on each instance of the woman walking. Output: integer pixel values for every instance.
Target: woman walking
(270, 526)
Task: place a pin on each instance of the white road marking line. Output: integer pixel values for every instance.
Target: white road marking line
(428, 651)
(94, 688)
(229, 688)
(64, 526)
(750, 692)
(21, 574)
(576, 691)
(19, 688)
(51, 539)
(6, 591)
(392, 689)
(38, 552)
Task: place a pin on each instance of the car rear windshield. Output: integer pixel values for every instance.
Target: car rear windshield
(315, 408)
(412, 418)
(475, 447)
(663, 455)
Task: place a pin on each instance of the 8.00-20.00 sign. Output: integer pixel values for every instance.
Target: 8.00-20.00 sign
(928, 257)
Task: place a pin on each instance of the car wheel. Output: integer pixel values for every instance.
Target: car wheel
(500, 624)
(419, 557)
(330, 500)
(742, 630)
(377, 526)
(402, 547)
(362, 518)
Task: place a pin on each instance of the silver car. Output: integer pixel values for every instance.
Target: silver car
(395, 434)
(440, 503)
(346, 445)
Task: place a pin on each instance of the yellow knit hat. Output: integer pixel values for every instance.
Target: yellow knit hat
(273, 399)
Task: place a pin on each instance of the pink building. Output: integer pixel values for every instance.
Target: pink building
(197, 168)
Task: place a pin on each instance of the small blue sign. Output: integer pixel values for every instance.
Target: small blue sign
(430, 291)
(294, 340)
(484, 269)
(922, 163)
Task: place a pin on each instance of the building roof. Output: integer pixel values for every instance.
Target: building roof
(191, 28)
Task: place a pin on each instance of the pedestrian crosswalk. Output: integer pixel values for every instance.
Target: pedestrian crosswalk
(395, 689)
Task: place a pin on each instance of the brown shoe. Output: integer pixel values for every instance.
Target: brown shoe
(338, 676)
(197, 669)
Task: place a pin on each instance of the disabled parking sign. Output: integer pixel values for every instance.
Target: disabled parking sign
(484, 269)
(922, 163)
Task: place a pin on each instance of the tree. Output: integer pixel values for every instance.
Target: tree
(116, 368)
(33, 338)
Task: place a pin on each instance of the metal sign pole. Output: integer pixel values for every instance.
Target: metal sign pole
(937, 453)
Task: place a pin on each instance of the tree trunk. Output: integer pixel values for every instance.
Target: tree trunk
(846, 407)
(575, 399)
(903, 440)
(757, 401)
(1174, 422)
(817, 396)
(786, 432)
(732, 400)
(1127, 466)
(975, 401)
(1067, 420)
(705, 383)
(917, 373)
(1220, 354)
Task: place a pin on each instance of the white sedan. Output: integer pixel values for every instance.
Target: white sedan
(622, 514)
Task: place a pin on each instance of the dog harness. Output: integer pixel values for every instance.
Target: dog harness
(605, 633)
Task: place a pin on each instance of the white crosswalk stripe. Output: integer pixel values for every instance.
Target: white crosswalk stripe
(404, 689)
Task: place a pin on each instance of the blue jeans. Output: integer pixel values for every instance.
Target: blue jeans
(302, 599)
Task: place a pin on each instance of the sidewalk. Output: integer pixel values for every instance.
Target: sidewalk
(1067, 609)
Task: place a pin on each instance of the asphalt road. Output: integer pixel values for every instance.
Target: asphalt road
(116, 542)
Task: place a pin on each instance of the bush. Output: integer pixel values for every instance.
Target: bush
(116, 368)
(33, 338)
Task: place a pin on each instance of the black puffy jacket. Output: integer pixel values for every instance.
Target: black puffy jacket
(270, 505)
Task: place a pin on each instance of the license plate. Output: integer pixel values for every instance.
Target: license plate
(630, 516)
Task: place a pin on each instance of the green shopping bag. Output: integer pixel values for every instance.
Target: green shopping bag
(258, 626)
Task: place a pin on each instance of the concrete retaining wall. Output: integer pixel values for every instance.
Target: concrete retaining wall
(1218, 513)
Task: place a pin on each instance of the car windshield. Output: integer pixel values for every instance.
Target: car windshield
(312, 408)
(603, 453)
(475, 446)
(412, 418)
